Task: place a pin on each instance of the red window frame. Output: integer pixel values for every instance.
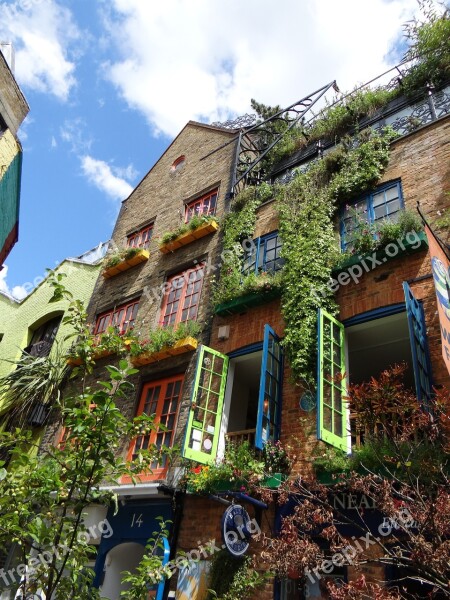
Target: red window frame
(162, 399)
(122, 317)
(204, 205)
(182, 296)
(140, 238)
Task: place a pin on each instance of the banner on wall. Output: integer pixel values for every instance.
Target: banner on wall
(441, 275)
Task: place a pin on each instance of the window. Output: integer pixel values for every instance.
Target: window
(265, 255)
(178, 163)
(369, 344)
(238, 396)
(180, 302)
(383, 203)
(205, 205)
(43, 337)
(160, 399)
(141, 238)
(122, 318)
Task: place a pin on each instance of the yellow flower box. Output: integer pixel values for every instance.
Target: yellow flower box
(126, 264)
(187, 344)
(189, 236)
(74, 361)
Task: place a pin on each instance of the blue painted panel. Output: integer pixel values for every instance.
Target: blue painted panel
(134, 522)
(419, 346)
(270, 393)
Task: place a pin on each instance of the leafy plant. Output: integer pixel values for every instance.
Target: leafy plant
(275, 458)
(195, 222)
(234, 579)
(121, 255)
(44, 495)
(164, 337)
(240, 466)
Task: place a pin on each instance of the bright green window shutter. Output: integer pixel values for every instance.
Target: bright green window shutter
(203, 428)
(332, 413)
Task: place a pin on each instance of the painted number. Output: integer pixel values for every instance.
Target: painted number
(137, 521)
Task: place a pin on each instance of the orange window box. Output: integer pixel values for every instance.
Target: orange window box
(126, 264)
(75, 361)
(181, 347)
(189, 236)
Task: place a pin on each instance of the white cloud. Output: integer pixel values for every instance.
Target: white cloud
(42, 33)
(105, 177)
(204, 60)
(75, 133)
(18, 291)
(53, 142)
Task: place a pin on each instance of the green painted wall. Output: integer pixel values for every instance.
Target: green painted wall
(17, 319)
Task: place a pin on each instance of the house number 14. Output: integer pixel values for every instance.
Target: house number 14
(137, 521)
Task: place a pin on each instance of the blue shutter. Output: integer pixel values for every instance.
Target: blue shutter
(419, 346)
(165, 559)
(269, 404)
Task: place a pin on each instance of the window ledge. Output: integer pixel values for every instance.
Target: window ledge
(187, 344)
(126, 264)
(242, 303)
(381, 255)
(189, 236)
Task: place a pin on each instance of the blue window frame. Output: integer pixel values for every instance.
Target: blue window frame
(268, 420)
(419, 347)
(265, 255)
(385, 202)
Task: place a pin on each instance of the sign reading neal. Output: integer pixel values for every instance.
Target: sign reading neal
(236, 529)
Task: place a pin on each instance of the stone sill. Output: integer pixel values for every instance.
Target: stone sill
(189, 236)
(124, 265)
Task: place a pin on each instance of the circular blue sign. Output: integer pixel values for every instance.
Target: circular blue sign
(235, 530)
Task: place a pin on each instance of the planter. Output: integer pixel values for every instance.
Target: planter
(181, 347)
(274, 481)
(224, 485)
(403, 247)
(75, 361)
(243, 303)
(328, 478)
(126, 264)
(189, 236)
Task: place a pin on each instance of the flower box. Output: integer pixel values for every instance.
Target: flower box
(75, 361)
(189, 236)
(223, 485)
(187, 344)
(243, 303)
(381, 255)
(128, 263)
(274, 481)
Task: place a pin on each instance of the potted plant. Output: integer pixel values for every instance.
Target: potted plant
(196, 228)
(122, 260)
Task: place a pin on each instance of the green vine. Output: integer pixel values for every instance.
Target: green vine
(239, 225)
(233, 578)
(306, 208)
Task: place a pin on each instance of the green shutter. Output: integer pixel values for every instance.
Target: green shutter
(205, 415)
(332, 413)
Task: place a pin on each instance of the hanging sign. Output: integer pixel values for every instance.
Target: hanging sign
(236, 527)
(440, 268)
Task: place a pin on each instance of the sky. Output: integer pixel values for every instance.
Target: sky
(110, 83)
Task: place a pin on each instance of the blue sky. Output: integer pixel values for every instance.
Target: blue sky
(111, 82)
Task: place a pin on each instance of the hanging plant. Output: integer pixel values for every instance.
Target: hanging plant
(306, 208)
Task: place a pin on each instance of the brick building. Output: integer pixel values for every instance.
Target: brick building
(13, 110)
(232, 382)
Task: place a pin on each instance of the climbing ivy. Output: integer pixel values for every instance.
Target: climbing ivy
(306, 208)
